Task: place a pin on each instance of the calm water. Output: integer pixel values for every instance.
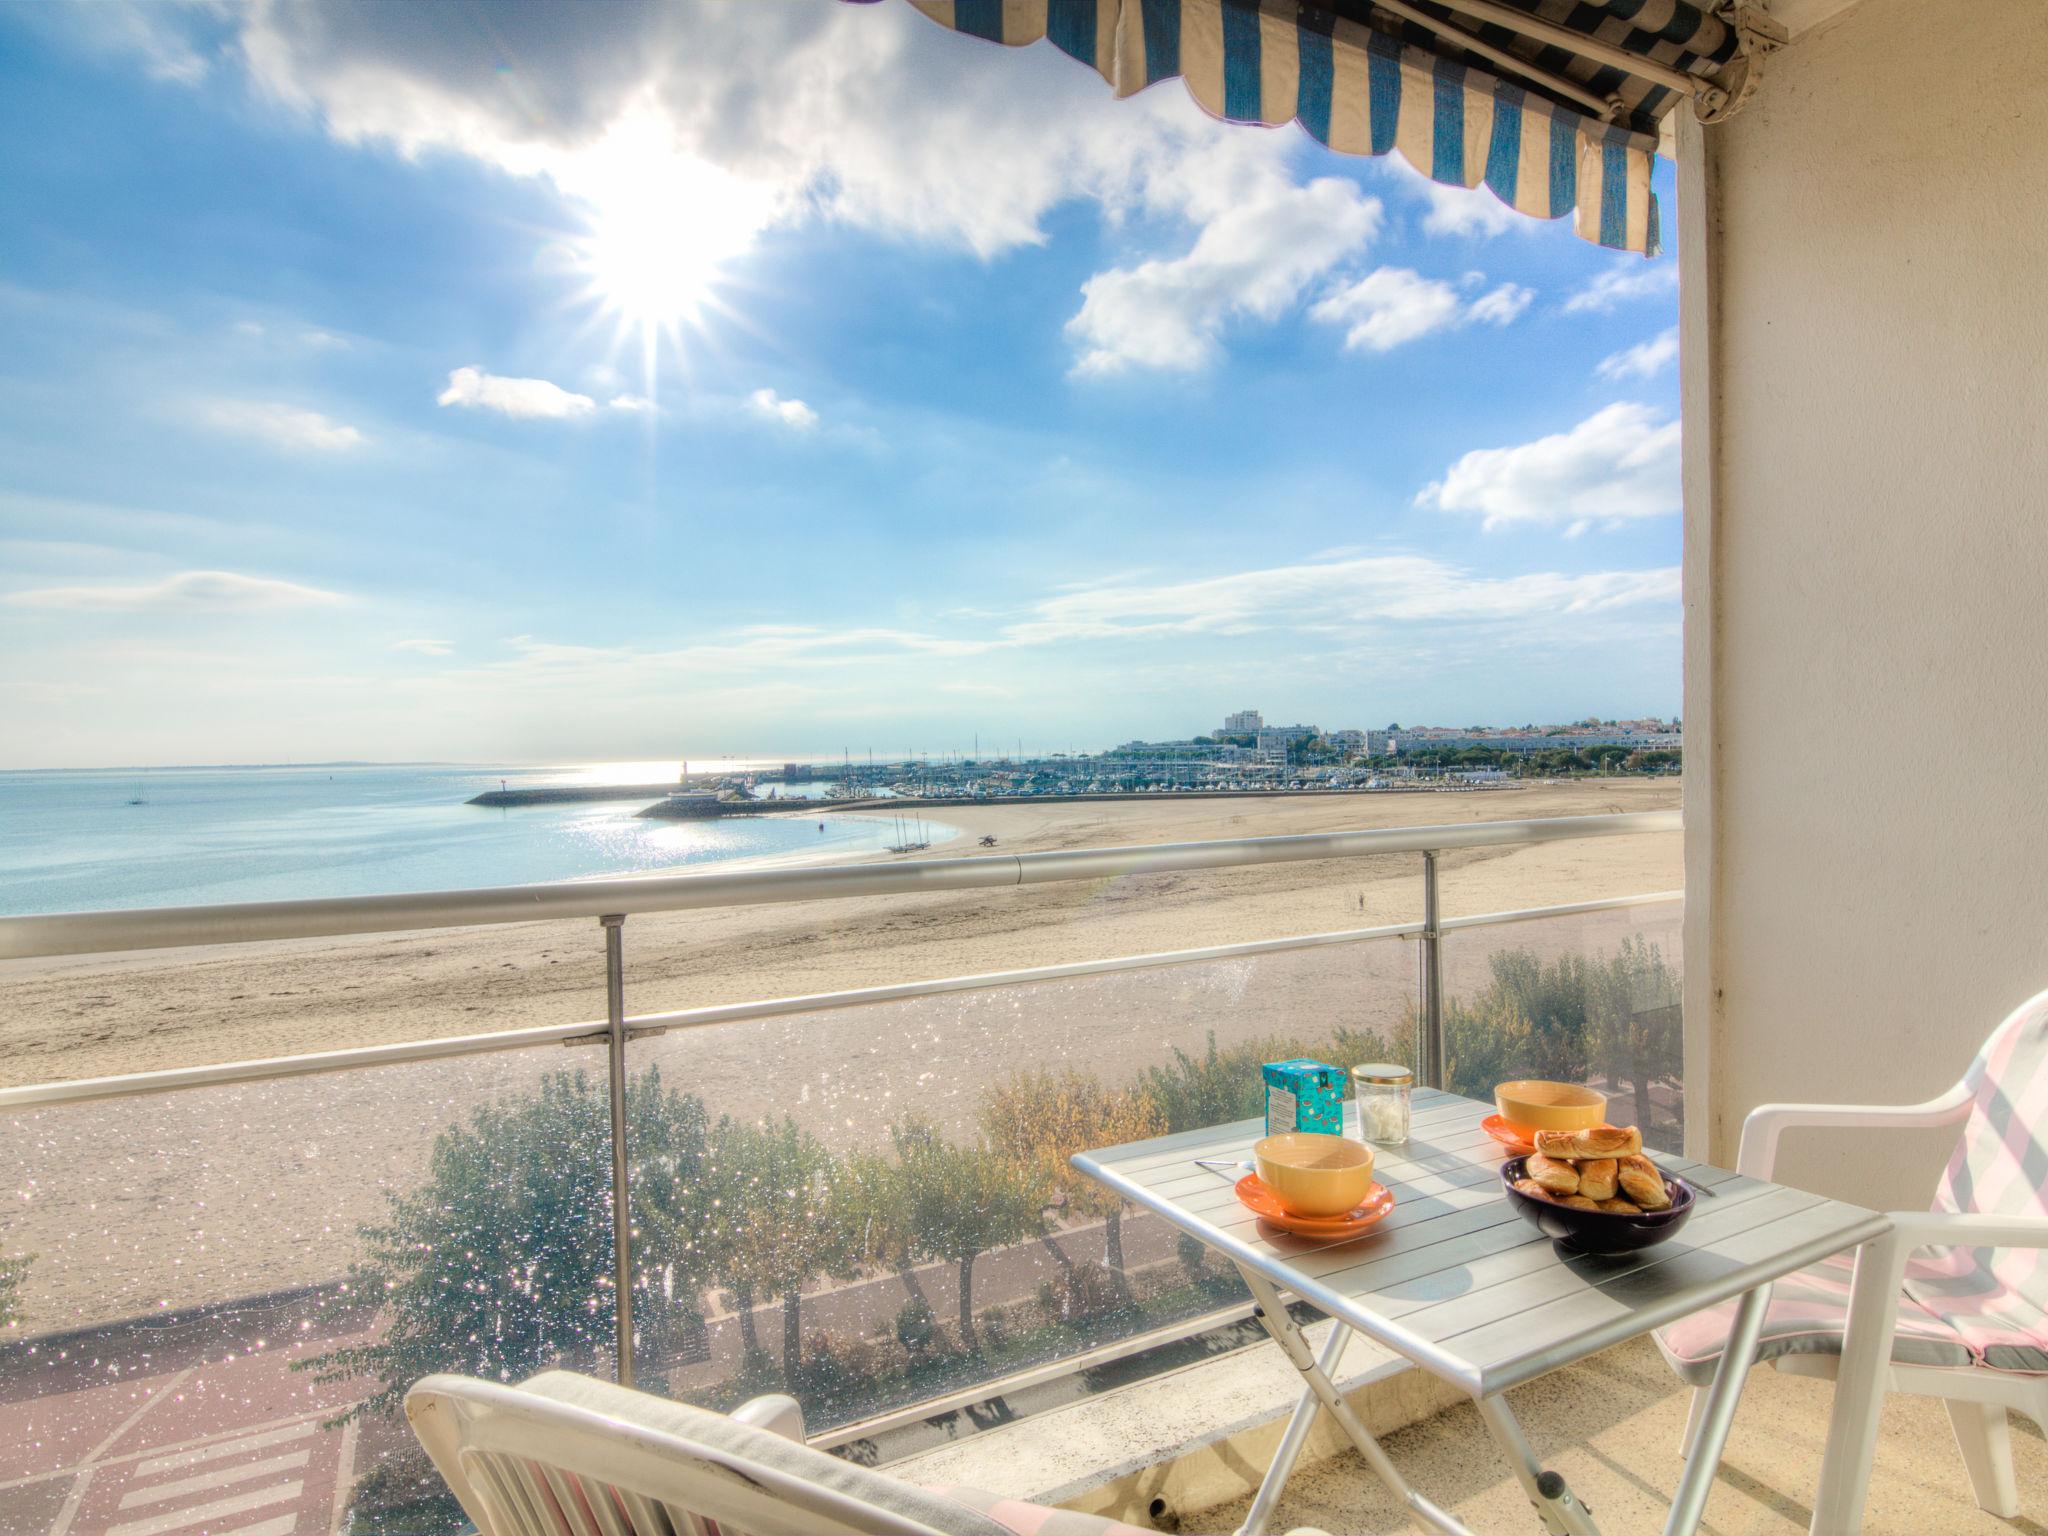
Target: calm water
(71, 841)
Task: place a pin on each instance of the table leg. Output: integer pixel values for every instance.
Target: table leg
(1306, 1410)
(1859, 1388)
(1274, 1317)
(1561, 1512)
(1718, 1412)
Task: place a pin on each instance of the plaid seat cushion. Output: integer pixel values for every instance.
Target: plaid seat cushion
(1024, 1519)
(1995, 1298)
(1807, 1315)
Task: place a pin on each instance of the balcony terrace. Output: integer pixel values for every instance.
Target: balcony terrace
(195, 1237)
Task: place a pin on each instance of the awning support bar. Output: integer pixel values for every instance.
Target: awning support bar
(1581, 44)
(1569, 89)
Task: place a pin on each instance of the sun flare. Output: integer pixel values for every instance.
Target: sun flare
(663, 228)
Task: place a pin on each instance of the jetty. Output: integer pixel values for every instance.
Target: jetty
(571, 794)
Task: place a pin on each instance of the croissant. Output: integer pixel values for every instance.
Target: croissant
(1599, 1141)
(1622, 1207)
(1555, 1177)
(1531, 1188)
(1578, 1202)
(1597, 1178)
(1642, 1183)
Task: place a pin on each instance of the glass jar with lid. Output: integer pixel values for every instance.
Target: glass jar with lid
(1383, 1090)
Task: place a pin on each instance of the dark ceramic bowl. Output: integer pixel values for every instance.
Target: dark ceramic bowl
(1600, 1232)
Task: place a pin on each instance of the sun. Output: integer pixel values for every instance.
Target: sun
(663, 227)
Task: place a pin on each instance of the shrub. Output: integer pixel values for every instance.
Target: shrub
(916, 1327)
(13, 1272)
(1044, 1118)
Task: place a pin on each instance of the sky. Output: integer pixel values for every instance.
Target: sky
(402, 383)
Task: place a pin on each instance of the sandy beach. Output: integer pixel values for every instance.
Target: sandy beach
(190, 1198)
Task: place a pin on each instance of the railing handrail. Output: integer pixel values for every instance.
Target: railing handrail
(85, 933)
(648, 1025)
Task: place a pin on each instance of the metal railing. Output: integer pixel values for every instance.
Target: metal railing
(612, 901)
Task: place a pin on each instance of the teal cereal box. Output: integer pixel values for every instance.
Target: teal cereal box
(1303, 1095)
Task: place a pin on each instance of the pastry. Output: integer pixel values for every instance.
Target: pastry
(1599, 1141)
(1642, 1183)
(1578, 1202)
(1621, 1207)
(1597, 1178)
(1556, 1178)
(1532, 1189)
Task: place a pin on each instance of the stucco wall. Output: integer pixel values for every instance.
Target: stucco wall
(1874, 672)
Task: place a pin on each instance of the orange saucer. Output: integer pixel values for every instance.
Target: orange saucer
(1266, 1205)
(1516, 1140)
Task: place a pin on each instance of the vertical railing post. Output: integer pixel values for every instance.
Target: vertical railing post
(622, 1209)
(1430, 1063)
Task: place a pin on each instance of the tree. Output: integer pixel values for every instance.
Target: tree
(772, 1223)
(500, 1264)
(957, 1202)
(1043, 1119)
(1633, 1021)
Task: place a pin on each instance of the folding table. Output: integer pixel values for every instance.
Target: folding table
(1458, 1283)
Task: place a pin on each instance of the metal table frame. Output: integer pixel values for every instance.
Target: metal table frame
(1268, 1262)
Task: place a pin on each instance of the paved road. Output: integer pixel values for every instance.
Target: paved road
(228, 1446)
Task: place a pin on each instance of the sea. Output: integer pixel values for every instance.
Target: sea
(95, 839)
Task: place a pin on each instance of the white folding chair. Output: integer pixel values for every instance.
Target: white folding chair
(569, 1455)
(1953, 1303)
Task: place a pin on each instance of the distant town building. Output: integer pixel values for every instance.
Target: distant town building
(1274, 740)
(1382, 743)
(1347, 741)
(1242, 722)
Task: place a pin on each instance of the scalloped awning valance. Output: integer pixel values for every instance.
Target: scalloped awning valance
(1556, 105)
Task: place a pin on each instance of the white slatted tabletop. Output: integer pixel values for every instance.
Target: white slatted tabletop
(1453, 1278)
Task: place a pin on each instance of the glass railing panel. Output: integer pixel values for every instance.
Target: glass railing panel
(222, 1292)
(865, 1168)
(1588, 997)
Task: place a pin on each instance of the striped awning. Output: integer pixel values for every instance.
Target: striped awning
(1554, 104)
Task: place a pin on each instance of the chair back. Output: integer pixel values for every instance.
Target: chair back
(524, 1464)
(1997, 1298)
(2000, 1164)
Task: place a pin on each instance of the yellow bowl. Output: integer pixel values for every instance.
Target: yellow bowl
(1312, 1174)
(1539, 1106)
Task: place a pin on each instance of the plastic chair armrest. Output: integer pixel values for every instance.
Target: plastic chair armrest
(775, 1412)
(1767, 1122)
(1968, 1229)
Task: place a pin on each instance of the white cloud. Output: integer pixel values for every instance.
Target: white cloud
(636, 403)
(1500, 306)
(284, 426)
(424, 647)
(1331, 598)
(1467, 211)
(523, 398)
(1393, 305)
(1251, 259)
(1616, 465)
(1630, 278)
(864, 115)
(195, 592)
(1644, 360)
(791, 413)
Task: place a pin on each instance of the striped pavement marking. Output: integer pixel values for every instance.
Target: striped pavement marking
(240, 1447)
(205, 1481)
(201, 1514)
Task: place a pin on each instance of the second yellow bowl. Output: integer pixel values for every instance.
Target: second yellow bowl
(1535, 1105)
